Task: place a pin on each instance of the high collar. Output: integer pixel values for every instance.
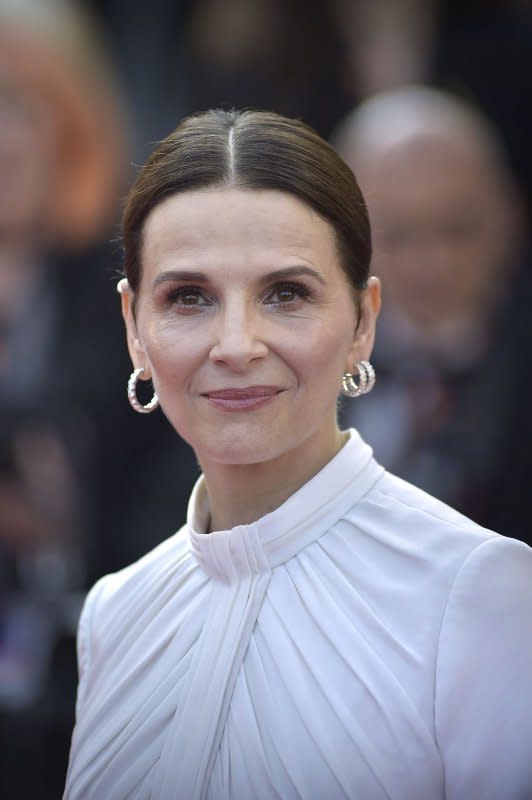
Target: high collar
(278, 536)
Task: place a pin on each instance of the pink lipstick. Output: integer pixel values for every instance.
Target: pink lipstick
(242, 399)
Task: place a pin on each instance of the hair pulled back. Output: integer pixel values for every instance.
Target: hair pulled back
(252, 150)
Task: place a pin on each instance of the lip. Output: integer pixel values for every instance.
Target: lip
(235, 399)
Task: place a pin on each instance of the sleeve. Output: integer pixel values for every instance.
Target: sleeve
(483, 697)
(85, 648)
(84, 642)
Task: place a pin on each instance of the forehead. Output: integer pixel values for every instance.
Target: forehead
(247, 225)
(425, 177)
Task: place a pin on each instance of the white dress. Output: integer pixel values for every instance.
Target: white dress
(361, 641)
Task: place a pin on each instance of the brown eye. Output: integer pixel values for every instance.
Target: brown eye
(287, 294)
(188, 297)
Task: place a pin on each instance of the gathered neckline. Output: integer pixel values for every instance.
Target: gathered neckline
(257, 547)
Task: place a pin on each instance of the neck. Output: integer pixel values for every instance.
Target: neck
(242, 493)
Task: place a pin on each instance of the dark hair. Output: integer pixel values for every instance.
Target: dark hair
(252, 150)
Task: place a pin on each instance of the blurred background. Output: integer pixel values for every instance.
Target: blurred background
(427, 100)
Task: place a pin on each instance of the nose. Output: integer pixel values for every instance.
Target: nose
(238, 338)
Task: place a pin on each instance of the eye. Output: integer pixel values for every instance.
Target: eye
(287, 294)
(188, 297)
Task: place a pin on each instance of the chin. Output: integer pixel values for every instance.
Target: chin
(239, 446)
(239, 452)
(242, 441)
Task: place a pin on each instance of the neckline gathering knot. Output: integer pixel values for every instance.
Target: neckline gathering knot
(256, 548)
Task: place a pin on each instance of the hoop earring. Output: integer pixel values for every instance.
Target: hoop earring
(132, 394)
(366, 380)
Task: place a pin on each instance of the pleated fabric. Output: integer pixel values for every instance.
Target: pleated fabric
(362, 641)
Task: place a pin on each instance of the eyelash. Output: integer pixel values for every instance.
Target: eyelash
(301, 293)
(182, 292)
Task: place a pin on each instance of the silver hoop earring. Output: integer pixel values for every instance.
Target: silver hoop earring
(132, 394)
(366, 380)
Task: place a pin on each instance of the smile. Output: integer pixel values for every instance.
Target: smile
(242, 399)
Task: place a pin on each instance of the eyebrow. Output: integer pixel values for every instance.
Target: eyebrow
(292, 272)
(201, 277)
(180, 275)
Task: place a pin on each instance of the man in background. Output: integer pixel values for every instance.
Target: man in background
(453, 351)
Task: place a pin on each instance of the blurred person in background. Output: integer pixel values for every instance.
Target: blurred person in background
(477, 49)
(451, 408)
(62, 164)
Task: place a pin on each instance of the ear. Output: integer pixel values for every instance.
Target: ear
(136, 350)
(363, 340)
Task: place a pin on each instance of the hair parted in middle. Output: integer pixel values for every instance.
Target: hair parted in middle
(252, 150)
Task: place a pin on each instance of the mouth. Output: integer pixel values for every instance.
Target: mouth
(232, 399)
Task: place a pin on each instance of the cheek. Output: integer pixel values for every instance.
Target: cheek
(170, 353)
(320, 356)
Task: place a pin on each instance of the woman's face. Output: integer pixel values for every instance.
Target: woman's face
(246, 322)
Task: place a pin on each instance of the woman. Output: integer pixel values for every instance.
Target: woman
(318, 628)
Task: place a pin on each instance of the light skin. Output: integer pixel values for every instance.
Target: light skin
(243, 290)
(28, 141)
(444, 221)
(27, 160)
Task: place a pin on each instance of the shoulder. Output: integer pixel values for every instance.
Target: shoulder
(164, 560)
(483, 698)
(418, 519)
(399, 541)
(437, 530)
(398, 494)
(490, 602)
(120, 597)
